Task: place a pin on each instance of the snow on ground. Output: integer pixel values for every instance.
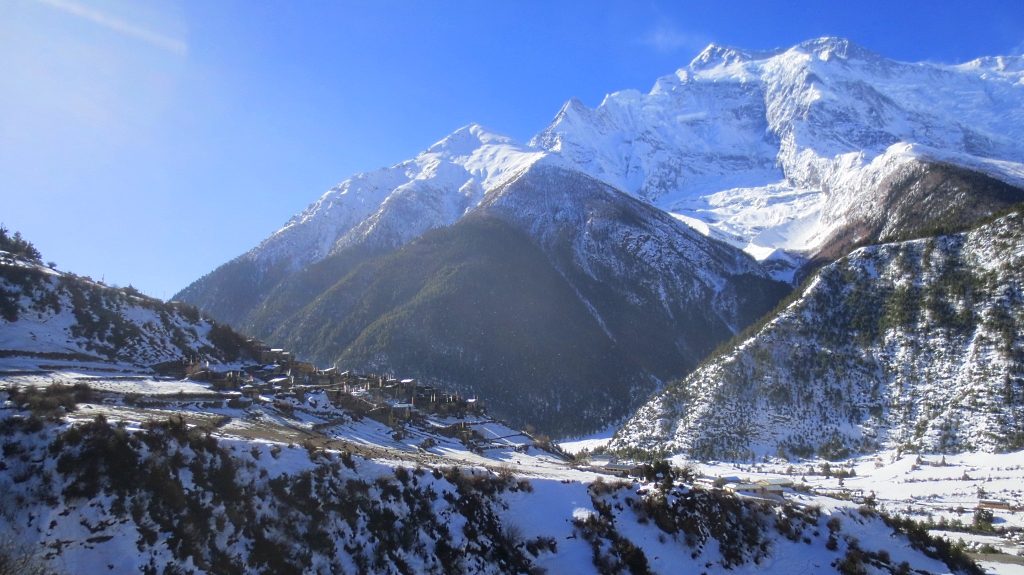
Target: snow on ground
(40, 332)
(590, 442)
(997, 568)
(119, 384)
(936, 487)
(932, 486)
(548, 511)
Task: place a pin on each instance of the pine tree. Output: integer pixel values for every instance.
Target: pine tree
(17, 246)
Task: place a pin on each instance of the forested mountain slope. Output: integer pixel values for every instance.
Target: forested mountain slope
(914, 345)
(558, 295)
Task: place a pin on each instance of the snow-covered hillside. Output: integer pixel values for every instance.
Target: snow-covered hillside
(182, 487)
(778, 149)
(61, 316)
(913, 345)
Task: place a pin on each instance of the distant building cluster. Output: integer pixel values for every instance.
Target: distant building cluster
(278, 375)
(770, 488)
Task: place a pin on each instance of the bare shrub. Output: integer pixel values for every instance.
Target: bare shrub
(18, 558)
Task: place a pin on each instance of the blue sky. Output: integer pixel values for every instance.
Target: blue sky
(148, 142)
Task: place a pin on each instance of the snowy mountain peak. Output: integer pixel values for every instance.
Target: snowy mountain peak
(764, 149)
(776, 149)
(785, 149)
(574, 112)
(467, 139)
(388, 207)
(826, 48)
(715, 56)
(1011, 65)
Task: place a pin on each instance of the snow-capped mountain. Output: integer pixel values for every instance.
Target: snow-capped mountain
(790, 155)
(778, 153)
(378, 211)
(391, 206)
(558, 294)
(913, 345)
(779, 150)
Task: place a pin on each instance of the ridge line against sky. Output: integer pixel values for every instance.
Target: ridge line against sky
(147, 143)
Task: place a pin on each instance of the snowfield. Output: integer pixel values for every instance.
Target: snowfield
(776, 150)
(940, 489)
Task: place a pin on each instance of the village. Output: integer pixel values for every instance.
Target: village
(768, 489)
(279, 380)
(278, 377)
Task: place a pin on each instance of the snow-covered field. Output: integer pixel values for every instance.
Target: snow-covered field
(590, 442)
(926, 487)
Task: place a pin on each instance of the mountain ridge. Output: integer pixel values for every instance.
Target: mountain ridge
(791, 155)
(461, 306)
(763, 92)
(808, 127)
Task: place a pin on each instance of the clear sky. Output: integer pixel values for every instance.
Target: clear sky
(147, 142)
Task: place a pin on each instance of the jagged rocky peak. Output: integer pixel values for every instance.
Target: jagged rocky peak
(1006, 64)
(776, 149)
(574, 112)
(824, 49)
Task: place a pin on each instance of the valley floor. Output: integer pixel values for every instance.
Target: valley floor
(941, 489)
